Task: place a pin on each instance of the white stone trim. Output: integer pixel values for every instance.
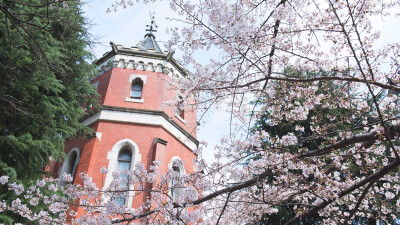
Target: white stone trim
(112, 156)
(134, 76)
(181, 168)
(91, 119)
(129, 99)
(141, 118)
(133, 63)
(180, 119)
(98, 135)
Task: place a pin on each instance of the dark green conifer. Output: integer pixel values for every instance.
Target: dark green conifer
(44, 82)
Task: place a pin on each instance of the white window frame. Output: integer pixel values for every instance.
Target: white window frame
(182, 171)
(178, 110)
(132, 77)
(66, 162)
(112, 156)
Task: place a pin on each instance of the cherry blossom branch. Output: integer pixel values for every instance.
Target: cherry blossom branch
(308, 80)
(223, 209)
(362, 196)
(365, 138)
(148, 213)
(231, 189)
(350, 44)
(271, 54)
(376, 176)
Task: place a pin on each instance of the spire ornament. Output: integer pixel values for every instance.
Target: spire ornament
(149, 41)
(152, 27)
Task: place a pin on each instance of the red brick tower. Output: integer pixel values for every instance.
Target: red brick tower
(134, 125)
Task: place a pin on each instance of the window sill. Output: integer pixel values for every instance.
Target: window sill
(180, 118)
(129, 99)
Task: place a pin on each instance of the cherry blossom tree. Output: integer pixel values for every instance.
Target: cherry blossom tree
(257, 40)
(348, 172)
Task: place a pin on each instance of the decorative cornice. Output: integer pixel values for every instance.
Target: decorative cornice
(135, 51)
(114, 47)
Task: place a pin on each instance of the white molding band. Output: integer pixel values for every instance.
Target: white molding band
(132, 62)
(180, 119)
(141, 118)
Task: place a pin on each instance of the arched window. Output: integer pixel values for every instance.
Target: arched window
(124, 159)
(176, 183)
(124, 164)
(69, 165)
(180, 109)
(137, 88)
(123, 155)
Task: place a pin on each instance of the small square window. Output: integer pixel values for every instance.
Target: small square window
(137, 88)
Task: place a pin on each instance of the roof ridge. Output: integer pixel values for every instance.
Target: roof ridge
(149, 42)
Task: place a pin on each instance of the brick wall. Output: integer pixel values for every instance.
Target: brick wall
(114, 86)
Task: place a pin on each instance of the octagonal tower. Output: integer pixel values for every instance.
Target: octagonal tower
(134, 125)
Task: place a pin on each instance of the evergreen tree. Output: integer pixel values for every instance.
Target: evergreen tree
(45, 71)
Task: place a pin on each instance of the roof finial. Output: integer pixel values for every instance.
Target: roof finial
(153, 23)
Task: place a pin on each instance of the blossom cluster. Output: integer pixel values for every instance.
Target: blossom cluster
(324, 92)
(85, 203)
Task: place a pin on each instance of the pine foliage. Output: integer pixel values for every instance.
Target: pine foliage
(45, 71)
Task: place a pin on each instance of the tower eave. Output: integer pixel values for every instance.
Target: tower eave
(135, 51)
(91, 118)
